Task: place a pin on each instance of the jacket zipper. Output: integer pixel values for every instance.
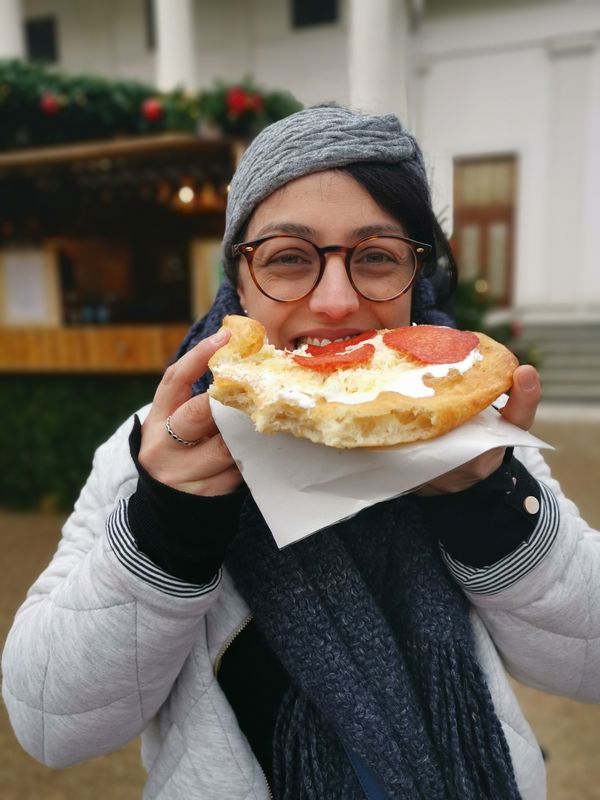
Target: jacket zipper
(228, 643)
(217, 667)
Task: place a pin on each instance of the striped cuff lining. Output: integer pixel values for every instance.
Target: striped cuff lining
(513, 567)
(125, 549)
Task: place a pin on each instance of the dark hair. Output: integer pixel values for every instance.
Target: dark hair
(404, 194)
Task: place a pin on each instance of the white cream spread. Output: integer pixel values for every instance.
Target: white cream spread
(388, 371)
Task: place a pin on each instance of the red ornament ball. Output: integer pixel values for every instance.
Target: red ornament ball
(49, 103)
(152, 109)
(237, 101)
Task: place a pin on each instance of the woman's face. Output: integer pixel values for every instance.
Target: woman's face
(327, 208)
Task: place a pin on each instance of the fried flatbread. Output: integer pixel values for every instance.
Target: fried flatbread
(380, 389)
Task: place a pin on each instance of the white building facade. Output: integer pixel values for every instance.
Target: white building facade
(515, 84)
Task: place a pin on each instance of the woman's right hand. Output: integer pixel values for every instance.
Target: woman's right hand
(208, 467)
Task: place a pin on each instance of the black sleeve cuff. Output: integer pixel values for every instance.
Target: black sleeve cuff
(184, 534)
(488, 521)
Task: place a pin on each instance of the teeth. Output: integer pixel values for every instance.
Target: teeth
(316, 342)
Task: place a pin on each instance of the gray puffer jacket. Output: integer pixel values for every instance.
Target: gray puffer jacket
(107, 646)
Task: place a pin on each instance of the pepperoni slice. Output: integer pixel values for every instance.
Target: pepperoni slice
(332, 361)
(339, 347)
(432, 344)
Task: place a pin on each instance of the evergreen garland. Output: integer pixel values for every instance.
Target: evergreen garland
(40, 106)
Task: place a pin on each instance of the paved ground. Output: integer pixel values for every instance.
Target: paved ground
(568, 731)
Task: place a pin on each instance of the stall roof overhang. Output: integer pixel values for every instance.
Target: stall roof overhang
(130, 148)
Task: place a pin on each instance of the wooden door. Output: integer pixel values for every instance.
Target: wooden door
(484, 224)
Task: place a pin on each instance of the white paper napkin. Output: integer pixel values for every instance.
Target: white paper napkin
(302, 487)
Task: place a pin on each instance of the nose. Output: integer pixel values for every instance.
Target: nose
(334, 296)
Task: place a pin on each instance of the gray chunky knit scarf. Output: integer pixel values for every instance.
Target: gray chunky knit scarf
(377, 641)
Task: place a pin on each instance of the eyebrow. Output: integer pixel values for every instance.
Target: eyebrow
(285, 227)
(374, 230)
(295, 229)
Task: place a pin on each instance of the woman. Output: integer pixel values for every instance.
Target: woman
(366, 660)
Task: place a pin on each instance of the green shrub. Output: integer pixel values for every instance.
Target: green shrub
(51, 426)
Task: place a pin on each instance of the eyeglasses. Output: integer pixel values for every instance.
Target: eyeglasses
(288, 268)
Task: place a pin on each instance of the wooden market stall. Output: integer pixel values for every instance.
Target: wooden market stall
(108, 250)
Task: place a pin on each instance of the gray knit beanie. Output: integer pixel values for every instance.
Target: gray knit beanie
(312, 140)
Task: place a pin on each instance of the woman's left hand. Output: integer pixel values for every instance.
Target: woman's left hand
(520, 410)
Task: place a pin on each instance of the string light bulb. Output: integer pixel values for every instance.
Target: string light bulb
(186, 194)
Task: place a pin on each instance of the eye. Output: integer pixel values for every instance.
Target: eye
(375, 256)
(290, 257)
(284, 253)
(385, 252)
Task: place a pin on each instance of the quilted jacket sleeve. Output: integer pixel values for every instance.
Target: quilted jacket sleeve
(541, 603)
(95, 649)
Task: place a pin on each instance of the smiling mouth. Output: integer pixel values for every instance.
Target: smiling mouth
(316, 341)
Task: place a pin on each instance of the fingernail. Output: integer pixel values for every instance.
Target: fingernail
(218, 336)
(528, 381)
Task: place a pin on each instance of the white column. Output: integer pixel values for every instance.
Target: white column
(379, 57)
(590, 272)
(174, 44)
(12, 44)
(571, 62)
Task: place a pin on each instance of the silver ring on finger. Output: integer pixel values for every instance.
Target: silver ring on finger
(177, 438)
